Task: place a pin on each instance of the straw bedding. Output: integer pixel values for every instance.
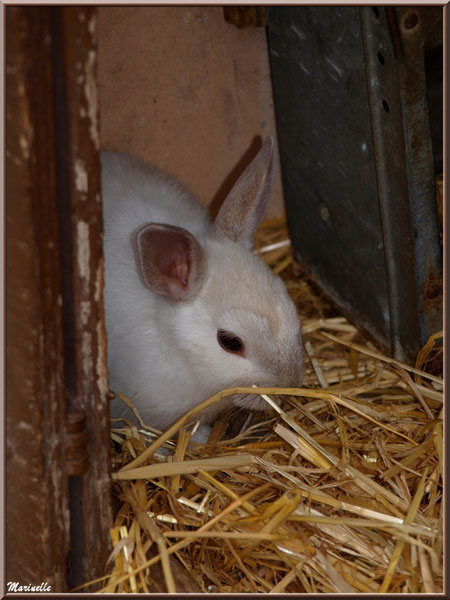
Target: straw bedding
(338, 491)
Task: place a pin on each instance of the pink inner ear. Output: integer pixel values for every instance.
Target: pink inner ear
(171, 261)
(171, 256)
(180, 271)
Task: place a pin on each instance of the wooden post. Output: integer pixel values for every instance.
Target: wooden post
(58, 459)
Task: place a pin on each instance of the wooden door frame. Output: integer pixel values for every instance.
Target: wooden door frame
(58, 490)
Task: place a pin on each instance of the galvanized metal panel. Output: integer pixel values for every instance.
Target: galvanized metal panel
(390, 167)
(357, 162)
(327, 156)
(420, 167)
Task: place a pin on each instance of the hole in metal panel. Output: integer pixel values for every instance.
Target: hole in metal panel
(411, 21)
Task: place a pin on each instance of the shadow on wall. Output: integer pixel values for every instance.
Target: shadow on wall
(232, 177)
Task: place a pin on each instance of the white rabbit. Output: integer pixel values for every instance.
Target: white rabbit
(190, 310)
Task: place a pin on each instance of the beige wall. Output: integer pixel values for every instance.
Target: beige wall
(186, 91)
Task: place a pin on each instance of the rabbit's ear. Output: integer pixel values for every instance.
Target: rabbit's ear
(244, 207)
(170, 260)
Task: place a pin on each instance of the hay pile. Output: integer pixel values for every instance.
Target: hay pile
(340, 491)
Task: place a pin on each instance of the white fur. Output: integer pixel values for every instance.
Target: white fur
(163, 354)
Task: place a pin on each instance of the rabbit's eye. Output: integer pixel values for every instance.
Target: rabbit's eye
(230, 342)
